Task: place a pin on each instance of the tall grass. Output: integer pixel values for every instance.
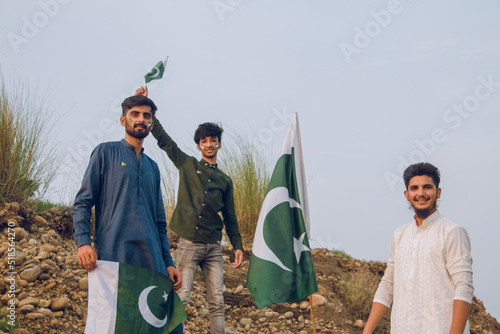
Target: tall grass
(249, 170)
(27, 160)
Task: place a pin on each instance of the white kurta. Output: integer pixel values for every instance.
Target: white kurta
(429, 267)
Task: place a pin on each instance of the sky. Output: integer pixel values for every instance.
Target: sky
(377, 85)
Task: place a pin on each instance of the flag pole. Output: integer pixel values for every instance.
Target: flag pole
(312, 315)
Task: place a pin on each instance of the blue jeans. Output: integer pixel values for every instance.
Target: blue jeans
(190, 255)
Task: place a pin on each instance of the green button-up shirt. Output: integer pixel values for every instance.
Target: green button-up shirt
(204, 192)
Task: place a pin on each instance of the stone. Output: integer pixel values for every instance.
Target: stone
(48, 248)
(318, 300)
(29, 301)
(304, 305)
(238, 289)
(203, 313)
(83, 284)
(46, 312)
(31, 274)
(50, 285)
(20, 233)
(245, 321)
(59, 303)
(26, 308)
(39, 220)
(44, 277)
(44, 303)
(359, 324)
(289, 314)
(12, 222)
(35, 316)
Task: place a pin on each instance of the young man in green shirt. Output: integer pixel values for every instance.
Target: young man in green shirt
(204, 192)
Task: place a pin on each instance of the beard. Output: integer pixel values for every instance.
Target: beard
(425, 212)
(137, 131)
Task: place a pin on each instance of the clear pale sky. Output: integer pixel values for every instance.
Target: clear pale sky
(377, 85)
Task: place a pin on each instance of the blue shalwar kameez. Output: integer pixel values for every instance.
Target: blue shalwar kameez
(130, 224)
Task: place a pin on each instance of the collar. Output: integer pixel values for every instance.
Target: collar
(430, 219)
(130, 146)
(205, 163)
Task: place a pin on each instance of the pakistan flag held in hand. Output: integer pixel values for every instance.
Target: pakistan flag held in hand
(281, 267)
(129, 299)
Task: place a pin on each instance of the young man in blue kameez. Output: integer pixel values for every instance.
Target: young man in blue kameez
(123, 184)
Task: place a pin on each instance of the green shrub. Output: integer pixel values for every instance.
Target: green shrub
(27, 160)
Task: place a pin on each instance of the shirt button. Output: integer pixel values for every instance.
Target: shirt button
(196, 227)
(199, 216)
(209, 180)
(203, 204)
(205, 192)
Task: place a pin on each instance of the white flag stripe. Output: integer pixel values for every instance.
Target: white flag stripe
(292, 139)
(103, 294)
(164, 61)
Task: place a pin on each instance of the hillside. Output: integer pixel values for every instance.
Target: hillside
(51, 289)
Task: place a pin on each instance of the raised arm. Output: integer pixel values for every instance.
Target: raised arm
(165, 142)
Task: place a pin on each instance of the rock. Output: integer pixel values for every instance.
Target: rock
(40, 221)
(44, 277)
(359, 324)
(46, 312)
(20, 233)
(83, 284)
(11, 222)
(238, 289)
(29, 301)
(26, 308)
(44, 303)
(50, 285)
(35, 316)
(31, 274)
(48, 248)
(318, 300)
(304, 305)
(203, 313)
(59, 303)
(246, 321)
(288, 315)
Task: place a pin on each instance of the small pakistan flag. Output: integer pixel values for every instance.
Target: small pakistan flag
(129, 299)
(281, 268)
(157, 71)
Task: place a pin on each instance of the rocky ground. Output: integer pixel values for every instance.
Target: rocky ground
(51, 290)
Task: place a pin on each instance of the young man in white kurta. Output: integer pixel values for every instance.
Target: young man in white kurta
(429, 272)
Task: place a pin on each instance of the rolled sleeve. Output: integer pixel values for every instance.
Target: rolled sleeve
(385, 291)
(459, 263)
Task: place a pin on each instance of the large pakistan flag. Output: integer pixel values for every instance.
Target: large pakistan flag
(281, 267)
(129, 299)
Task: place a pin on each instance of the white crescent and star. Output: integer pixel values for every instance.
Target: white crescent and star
(156, 73)
(146, 312)
(260, 249)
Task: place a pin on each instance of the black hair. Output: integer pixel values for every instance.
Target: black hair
(422, 168)
(208, 130)
(135, 101)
